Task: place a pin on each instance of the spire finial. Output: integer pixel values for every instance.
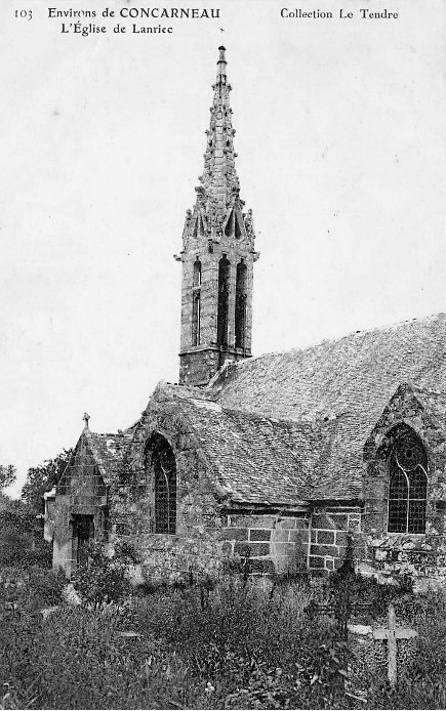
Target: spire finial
(221, 64)
(86, 418)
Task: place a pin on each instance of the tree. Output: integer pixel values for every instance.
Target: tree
(16, 531)
(8, 475)
(43, 478)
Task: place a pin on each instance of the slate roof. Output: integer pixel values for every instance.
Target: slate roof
(435, 402)
(254, 459)
(106, 450)
(288, 428)
(346, 384)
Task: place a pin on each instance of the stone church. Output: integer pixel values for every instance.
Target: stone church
(279, 463)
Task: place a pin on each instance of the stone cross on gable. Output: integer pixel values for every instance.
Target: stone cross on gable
(86, 418)
(392, 634)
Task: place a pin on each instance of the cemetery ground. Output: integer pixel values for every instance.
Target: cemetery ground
(216, 647)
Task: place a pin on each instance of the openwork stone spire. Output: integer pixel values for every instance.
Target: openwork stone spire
(219, 181)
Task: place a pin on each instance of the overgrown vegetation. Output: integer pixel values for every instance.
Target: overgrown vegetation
(231, 646)
(21, 535)
(8, 475)
(104, 579)
(21, 521)
(42, 478)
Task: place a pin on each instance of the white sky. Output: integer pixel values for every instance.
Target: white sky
(341, 141)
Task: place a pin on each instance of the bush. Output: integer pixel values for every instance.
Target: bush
(21, 536)
(101, 578)
(46, 585)
(245, 649)
(30, 589)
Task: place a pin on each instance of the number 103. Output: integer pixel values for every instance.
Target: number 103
(24, 14)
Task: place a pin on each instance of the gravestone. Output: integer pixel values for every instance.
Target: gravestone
(391, 634)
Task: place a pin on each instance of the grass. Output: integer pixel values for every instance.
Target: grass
(230, 647)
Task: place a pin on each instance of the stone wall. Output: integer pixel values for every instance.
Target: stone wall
(201, 363)
(272, 543)
(267, 544)
(423, 558)
(330, 531)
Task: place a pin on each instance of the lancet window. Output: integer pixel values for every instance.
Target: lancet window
(240, 305)
(223, 301)
(160, 461)
(196, 304)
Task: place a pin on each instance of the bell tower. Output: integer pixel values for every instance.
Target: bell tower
(217, 256)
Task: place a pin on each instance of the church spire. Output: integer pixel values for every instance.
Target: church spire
(218, 254)
(219, 181)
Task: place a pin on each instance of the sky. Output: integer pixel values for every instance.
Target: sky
(341, 155)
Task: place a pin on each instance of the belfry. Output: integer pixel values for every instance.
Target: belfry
(217, 256)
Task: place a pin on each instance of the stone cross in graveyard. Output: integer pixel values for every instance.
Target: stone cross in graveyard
(392, 634)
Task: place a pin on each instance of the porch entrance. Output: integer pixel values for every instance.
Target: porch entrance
(83, 531)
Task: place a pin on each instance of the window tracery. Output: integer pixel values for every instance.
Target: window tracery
(408, 485)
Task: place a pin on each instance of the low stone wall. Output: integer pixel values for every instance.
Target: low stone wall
(422, 557)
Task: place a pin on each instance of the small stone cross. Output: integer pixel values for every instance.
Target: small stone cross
(85, 418)
(392, 634)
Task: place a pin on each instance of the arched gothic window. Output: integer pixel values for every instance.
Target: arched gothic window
(196, 304)
(223, 301)
(240, 305)
(408, 484)
(197, 272)
(160, 459)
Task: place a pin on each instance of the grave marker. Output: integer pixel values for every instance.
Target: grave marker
(392, 634)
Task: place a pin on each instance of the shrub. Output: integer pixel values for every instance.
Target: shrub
(101, 578)
(30, 589)
(46, 585)
(246, 649)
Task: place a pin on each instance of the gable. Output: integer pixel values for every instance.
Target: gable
(94, 463)
(419, 409)
(81, 477)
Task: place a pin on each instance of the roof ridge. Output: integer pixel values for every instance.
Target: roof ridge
(251, 414)
(381, 329)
